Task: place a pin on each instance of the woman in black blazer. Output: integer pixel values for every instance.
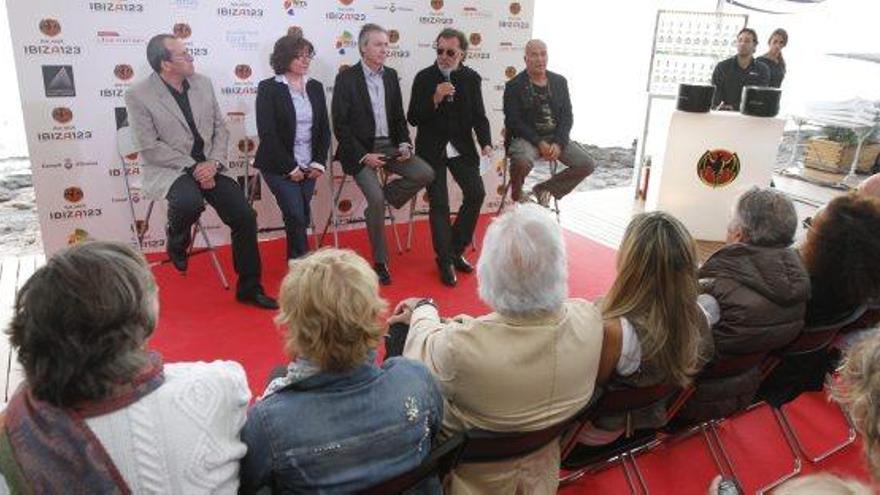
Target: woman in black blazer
(294, 135)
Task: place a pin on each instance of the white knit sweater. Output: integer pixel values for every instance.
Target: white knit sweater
(183, 437)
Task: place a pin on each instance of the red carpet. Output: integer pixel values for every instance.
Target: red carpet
(201, 321)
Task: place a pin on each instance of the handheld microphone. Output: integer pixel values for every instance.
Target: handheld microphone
(448, 77)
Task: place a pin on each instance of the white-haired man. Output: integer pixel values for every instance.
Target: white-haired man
(555, 342)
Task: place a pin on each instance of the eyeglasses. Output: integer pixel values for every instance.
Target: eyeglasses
(450, 52)
(182, 56)
(310, 56)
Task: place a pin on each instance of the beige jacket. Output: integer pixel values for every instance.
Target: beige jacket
(162, 135)
(506, 374)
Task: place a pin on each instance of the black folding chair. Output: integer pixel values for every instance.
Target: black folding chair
(443, 458)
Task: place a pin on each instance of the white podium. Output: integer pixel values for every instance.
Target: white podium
(710, 158)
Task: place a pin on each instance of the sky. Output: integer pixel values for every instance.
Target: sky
(604, 49)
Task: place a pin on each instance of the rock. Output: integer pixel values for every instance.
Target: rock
(5, 195)
(16, 181)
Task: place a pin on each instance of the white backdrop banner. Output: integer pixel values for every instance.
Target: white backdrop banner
(76, 58)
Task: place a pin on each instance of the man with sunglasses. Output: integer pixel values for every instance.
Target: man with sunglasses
(181, 136)
(446, 105)
(538, 119)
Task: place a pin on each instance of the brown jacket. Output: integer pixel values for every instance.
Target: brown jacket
(762, 293)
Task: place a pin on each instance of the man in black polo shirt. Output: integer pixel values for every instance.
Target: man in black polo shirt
(180, 133)
(735, 73)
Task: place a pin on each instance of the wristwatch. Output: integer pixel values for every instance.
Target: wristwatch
(424, 302)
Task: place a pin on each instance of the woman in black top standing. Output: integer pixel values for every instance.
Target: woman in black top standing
(773, 58)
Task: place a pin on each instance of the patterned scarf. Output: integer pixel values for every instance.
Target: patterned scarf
(49, 449)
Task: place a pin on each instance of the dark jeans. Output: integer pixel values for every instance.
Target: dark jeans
(450, 240)
(294, 199)
(186, 202)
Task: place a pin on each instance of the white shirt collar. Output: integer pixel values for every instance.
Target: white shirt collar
(283, 79)
(369, 72)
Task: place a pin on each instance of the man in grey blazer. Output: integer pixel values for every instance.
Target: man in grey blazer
(179, 130)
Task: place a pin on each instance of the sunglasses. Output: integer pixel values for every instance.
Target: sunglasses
(449, 52)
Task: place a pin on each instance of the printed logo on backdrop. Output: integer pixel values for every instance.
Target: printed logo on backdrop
(184, 4)
(392, 8)
(58, 81)
(344, 12)
(512, 46)
(117, 6)
(290, 6)
(514, 20)
(475, 11)
(345, 41)
(132, 166)
(51, 43)
(123, 75)
(74, 206)
(62, 129)
(244, 40)
(136, 196)
(113, 37)
(244, 148)
(509, 73)
(718, 167)
(394, 49)
(77, 236)
(239, 9)
(241, 83)
(183, 32)
(435, 15)
(475, 50)
(67, 164)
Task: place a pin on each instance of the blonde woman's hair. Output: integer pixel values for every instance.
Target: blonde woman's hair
(859, 391)
(822, 484)
(656, 289)
(330, 306)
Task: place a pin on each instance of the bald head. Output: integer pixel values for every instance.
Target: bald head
(536, 59)
(870, 186)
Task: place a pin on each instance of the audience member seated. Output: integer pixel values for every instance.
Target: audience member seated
(531, 363)
(859, 392)
(98, 413)
(337, 423)
(761, 286)
(842, 255)
(659, 333)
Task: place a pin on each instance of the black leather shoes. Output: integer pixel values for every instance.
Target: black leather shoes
(381, 270)
(461, 264)
(175, 246)
(447, 274)
(258, 299)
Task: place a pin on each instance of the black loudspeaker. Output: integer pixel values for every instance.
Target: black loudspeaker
(695, 97)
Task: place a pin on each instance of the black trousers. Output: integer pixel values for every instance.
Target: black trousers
(186, 202)
(451, 239)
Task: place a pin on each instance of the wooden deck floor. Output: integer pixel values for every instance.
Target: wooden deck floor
(600, 215)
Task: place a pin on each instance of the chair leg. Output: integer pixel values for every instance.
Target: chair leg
(505, 182)
(332, 219)
(394, 228)
(210, 248)
(789, 441)
(409, 228)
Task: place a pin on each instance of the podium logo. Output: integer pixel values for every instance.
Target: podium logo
(50, 27)
(181, 30)
(718, 168)
(123, 72)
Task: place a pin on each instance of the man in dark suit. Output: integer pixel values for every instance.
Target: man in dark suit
(370, 126)
(179, 130)
(538, 119)
(446, 105)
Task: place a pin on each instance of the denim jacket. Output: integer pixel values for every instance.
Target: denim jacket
(343, 432)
